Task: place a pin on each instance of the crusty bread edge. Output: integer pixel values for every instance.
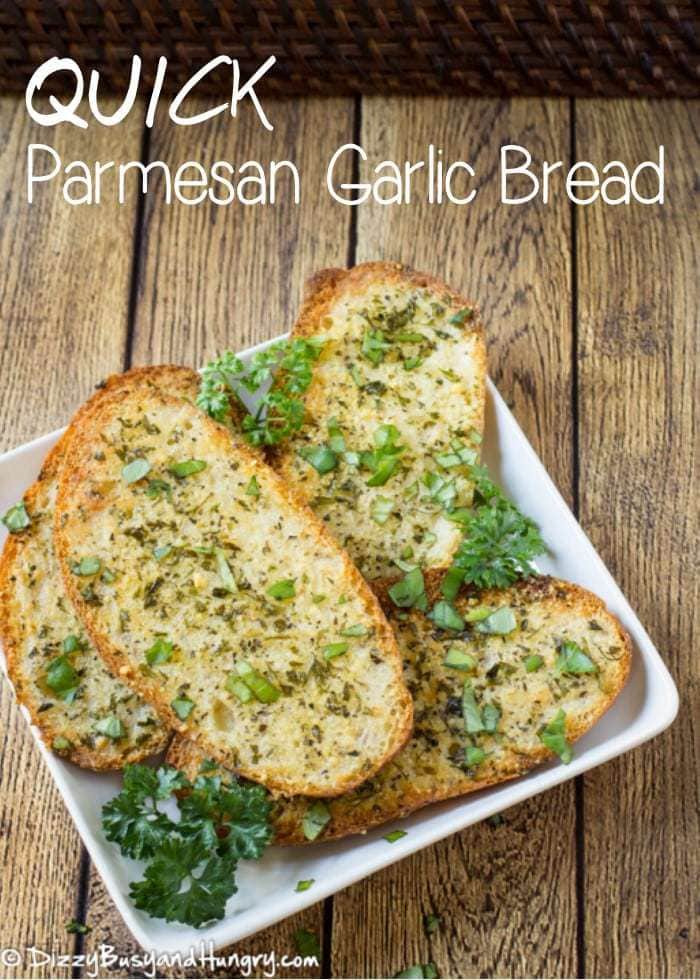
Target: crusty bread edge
(81, 440)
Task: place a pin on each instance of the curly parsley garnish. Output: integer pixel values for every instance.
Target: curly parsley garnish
(280, 410)
(191, 869)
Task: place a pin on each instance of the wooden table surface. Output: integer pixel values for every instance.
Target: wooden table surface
(592, 318)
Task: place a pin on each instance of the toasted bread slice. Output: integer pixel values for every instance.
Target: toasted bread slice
(94, 720)
(213, 593)
(401, 349)
(433, 765)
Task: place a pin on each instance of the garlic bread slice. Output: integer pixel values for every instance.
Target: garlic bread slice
(534, 668)
(82, 712)
(212, 592)
(394, 410)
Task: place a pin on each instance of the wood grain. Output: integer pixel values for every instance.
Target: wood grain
(63, 323)
(638, 298)
(212, 278)
(507, 895)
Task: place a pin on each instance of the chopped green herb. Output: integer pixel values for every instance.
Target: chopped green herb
(188, 467)
(572, 660)
(395, 835)
(16, 519)
(451, 583)
(77, 928)
(473, 755)
(384, 469)
(385, 458)
(475, 614)
(501, 622)
(334, 650)
(374, 346)
(322, 458)
(72, 643)
(252, 490)
(410, 591)
(459, 659)
(156, 488)
(111, 727)
(304, 884)
(86, 566)
(182, 707)
(224, 572)
(421, 971)
(307, 944)
(441, 490)
(411, 363)
(458, 318)
(284, 589)
(381, 508)
(135, 470)
(162, 552)
(315, 819)
(553, 736)
(336, 440)
(491, 715)
(470, 711)
(236, 686)
(446, 617)
(359, 629)
(263, 690)
(62, 679)
(533, 663)
(160, 652)
(61, 744)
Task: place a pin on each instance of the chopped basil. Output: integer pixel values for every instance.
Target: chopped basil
(304, 885)
(156, 488)
(162, 552)
(315, 819)
(61, 744)
(334, 650)
(553, 736)
(188, 467)
(457, 319)
(284, 589)
(224, 571)
(470, 711)
(160, 652)
(182, 707)
(477, 613)
(72, 643)
(381, 509)
(77, 928)
(452, 583)
(572, 660)
(421, 971)
(322, 458)
(263, 690)
(446, 617)
(62, 679)
(86, 566)
(111, 727)
(442, 491)
(473, 755)
(410, 591)
(394, 835)
(385, 468)
(136, 470)
(411, 363)
(252, 490)
(533, 663)
(359, 629)
(236, 686)
(374, 344)
(501, 622)
(336, 440)
(459, 659)
(16, 519)
(491, 715)
(307, 944)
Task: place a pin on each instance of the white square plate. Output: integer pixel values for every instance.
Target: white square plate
(266, 888)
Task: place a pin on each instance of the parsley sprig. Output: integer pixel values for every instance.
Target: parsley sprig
(280, 410)
(191, 870)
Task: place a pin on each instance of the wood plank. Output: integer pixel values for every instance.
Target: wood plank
(213, 277)
(63, 323)
(507, 894)
(638, 297)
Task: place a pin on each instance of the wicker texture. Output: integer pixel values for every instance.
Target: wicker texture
(618, 47)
